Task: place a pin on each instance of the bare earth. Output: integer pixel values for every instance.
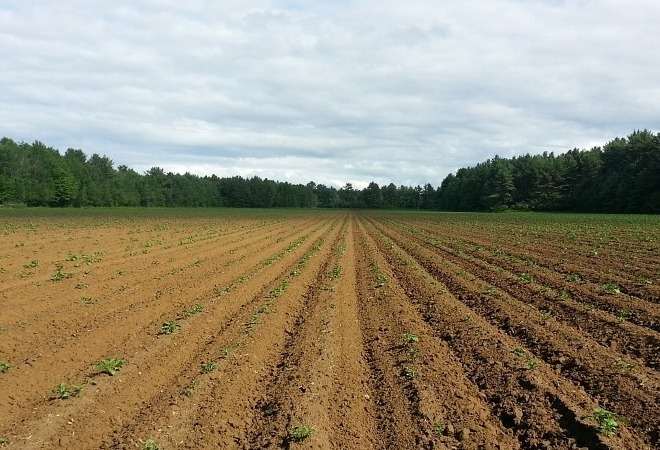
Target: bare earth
(373, 330)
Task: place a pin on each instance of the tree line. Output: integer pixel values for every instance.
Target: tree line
(622, 176)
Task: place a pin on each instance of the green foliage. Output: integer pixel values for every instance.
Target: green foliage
(196, 309)
(208, 367)
(169, 327)
(608, 422)
(150, 444)
(4, 366)
(31, 265)
(611, 288)
(300, 433)
(59, 274)
(410, 338)
(409, 372)
(110, 366)
(619, 177)
(63, 391)
(439, 428)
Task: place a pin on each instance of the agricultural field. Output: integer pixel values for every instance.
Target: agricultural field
(217, 328)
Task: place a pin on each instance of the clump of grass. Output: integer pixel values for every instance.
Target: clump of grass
(63, 391)
(4, 366)
(300, 433)
(608, 422)
(208, 367)
(611, 288)
(110, 366)
(169, 327)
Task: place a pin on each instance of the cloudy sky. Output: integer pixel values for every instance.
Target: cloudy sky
(335, 91)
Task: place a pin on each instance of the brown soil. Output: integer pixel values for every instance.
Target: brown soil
(373, 331)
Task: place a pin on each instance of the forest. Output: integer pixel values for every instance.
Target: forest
(621, 176)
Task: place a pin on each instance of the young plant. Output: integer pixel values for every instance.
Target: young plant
(410, 338)
(110, 365)
(59, 274)
(409, 372)
(208, 367)
(150, 444)
(608, 422)
(169, 327)
(4, 366)
(63, 391)
(611, 288)
(439, 429)
(197, 309)
(4, 441)
(31, 265)
(300, 433)
(525, 278)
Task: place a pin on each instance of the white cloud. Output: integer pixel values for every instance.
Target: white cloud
(331, 91)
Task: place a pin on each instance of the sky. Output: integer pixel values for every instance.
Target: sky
(331, 91)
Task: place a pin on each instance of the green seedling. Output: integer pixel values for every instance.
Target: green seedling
(110, 366)
(31, 265)
(188, 390)
(573, 278)
(63, 391)
(197, 309)
(409, 372)
(300, 433)
(4, 441)
(150, 444)
(611, 288)
(608, 422)
(623, 366)
(530, 362)
(169, 327)
(87, 300)
(410, 338)
(439, 428)
(525, 278)
(4, 367)
(623, 315)
(208, 367)
(59, 274)
(335, 272)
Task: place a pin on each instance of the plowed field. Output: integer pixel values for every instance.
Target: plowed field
(328, 329)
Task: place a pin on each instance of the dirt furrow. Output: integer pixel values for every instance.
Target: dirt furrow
(217, 409)
(108, 307)
(145, 354)
(605, 328)
(543, 409)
